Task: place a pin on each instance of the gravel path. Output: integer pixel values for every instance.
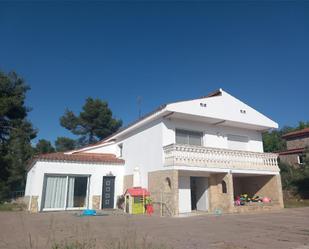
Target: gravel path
(288, 228)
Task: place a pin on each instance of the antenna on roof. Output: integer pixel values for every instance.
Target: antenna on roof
(139, 104)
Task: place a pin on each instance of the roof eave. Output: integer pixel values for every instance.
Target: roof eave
(160, 112)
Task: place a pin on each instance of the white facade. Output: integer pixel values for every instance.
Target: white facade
(142, 148)
(213, 136)
(225, 123)
(96, 172)
(218, 118)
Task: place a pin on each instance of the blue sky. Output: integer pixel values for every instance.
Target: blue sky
(161, 51)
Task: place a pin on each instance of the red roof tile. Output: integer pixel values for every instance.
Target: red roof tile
(80, 157)
(297, 133)
(292, 151)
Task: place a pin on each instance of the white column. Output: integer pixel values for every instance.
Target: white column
(136, 177)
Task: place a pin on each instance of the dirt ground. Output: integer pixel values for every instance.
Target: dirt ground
(288, 228)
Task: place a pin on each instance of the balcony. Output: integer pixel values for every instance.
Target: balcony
(207, 157)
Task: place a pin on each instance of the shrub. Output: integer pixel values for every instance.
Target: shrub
(120, 202)
(12, 206)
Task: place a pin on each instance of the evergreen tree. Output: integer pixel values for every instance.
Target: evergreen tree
(44, 146)
(16, 133)
(273, 141)
(94, 123)
(65, 144)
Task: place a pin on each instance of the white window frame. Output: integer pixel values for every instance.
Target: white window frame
(298, 159)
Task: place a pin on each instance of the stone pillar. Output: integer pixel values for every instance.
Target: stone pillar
(230, 191)
(34, 207)
(217, 199)
(163, 187)
(279, 187)
(96, 199)
(212, 192)
(270, 186)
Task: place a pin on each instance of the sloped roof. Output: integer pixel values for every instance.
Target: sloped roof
(219, 107)
(161, 107)
(292, 151)
(102, 158)
(297, 133)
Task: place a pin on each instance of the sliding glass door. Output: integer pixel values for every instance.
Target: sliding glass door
(55, 189)
(77, 192)
(65, 192)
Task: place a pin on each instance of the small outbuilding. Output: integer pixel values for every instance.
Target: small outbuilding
(135, 200)
(74, 181)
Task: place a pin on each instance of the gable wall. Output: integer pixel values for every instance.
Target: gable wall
(224, 107)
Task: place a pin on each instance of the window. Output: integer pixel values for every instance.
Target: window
(301, 159)
(236, 142)
(55, 191)
(138, 199)
(224, 189)
(77, 191)
(168, 183)
(189, 137)
(61, 192)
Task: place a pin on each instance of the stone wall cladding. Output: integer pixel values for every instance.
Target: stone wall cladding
(256, 208)
(278, 185)
(266, 185)
(96, 201)
(158, 185)
(298, 142)
(218, 200)
(34, 207)
(127, 182)
(291, 159)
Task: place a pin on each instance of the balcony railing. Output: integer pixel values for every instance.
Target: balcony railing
(199, 156)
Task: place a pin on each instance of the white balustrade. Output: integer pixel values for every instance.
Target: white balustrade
(190, 155)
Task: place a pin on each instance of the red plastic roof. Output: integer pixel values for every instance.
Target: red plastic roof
(138, 191)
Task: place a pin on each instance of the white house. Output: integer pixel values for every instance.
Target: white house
(191, 155)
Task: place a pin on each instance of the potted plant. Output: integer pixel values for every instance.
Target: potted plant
(148, 205)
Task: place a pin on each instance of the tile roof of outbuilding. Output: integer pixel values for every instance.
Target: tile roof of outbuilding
(103, 158)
